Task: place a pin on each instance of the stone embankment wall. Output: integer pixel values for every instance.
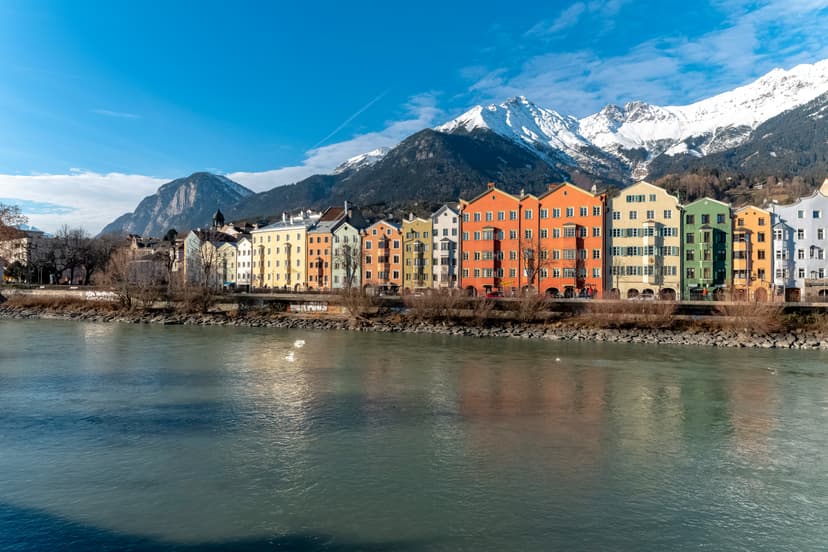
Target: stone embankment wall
(550, 332)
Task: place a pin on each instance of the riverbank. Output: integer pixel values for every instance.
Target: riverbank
(560, 330)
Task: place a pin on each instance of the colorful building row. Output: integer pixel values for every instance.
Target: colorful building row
(643, 242)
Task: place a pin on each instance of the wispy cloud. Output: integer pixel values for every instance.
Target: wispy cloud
(753, 38)
(116, 114)
(348, 121)
(421, 112)
(38, 207)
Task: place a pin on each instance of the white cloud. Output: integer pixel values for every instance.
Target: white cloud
(116, 114)
(421, 110)
(92, 200)
(87, 199)
(754, 37)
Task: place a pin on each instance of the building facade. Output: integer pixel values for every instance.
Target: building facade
(244, 261)
(707, 244)
(382, 254)
(347, 257)
(417, 253)
(570, 242)
(752, 254)
(279, 253)
(644, 226)
(226, 263)
(445, 246)
(800, 243)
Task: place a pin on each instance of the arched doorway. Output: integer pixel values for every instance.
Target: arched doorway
(760, 295)
(569, 292)
(740, 295)
(632, 293)
(553, 292)
(648, 294)
(614, 293)
(471, 291)
(667, 294)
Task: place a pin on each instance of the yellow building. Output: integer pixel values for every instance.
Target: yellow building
(752, 254)
(279, 255)
(644, 229)
(226, 262)
(417, 253)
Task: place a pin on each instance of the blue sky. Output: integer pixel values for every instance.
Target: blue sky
(101, 102)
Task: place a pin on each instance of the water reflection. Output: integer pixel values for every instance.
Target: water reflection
(214, 435)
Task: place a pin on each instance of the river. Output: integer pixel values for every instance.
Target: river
(128, 437)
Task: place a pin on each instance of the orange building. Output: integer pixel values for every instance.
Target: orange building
(752, 254)
(553, 243)
(570, 240)
(320, 249)
(490, 230)
(382, 253)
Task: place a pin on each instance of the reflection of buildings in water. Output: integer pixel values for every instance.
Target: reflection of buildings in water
(753, 413)
(646, 412)
(539, 407)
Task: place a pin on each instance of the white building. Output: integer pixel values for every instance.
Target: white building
(800, 243)
(445, 247)
(244, 262)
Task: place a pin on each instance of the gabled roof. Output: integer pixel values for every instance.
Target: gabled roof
(708, 199)
(493, 189)
(746, 207)
(386, 222)
(569, 185)
(443, 208)
(653, 187)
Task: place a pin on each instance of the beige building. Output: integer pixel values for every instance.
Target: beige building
(417, 253)
(279, 257)
(644, 243)
(226, 263)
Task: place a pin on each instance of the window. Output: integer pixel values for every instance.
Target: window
(760, 237)
(596, 211)
(720, 218)
(690, 237)
(489, 216)
(801, 273)
(465, 236)
(800, 214)
(690, 255)
(800, 254)
(512, 215)
(691, 273)
(705, 219)
(777, 234)
(476, 217)
(583, 211)
(596, 253)
(569, 231)
(527, 234)
(800, 233)
(556, 213)
(501, 215)
(633, 215)
(596, 231)
(760, 254)
(820, 233)
(465, 217)
(556, 232)
(477, 236)
(570, 211)
(616, 215)
(690, 219)
(668, 214)
(544, 233)
(512, 234)
(817, 214)
(544, 213)
(596, 272)
(527, 214)
(650, 214)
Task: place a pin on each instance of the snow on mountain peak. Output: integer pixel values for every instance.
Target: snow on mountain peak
(362, 160)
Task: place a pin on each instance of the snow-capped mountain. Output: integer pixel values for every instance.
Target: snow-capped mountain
(638, 132)
(362, 160)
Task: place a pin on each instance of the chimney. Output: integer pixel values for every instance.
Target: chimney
(491, 185)
(284, 216)
(522, 193)
(551, 187)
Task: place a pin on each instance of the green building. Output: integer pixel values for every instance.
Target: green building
(708, 249)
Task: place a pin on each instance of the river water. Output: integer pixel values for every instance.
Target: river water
(122, 437)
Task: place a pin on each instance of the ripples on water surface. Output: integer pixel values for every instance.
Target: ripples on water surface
(129, 437)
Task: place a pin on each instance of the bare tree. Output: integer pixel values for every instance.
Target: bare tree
(533, 259)
(349, 259)
(11, 218)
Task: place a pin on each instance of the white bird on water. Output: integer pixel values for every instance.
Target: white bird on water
(299, 343)
(557, 359)
(290, 357)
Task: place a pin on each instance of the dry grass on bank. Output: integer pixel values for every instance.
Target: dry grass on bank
(754, 317)
(628, 314)
(359, 304)
(436, 307)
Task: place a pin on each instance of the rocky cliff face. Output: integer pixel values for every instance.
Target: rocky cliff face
(183, 204)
